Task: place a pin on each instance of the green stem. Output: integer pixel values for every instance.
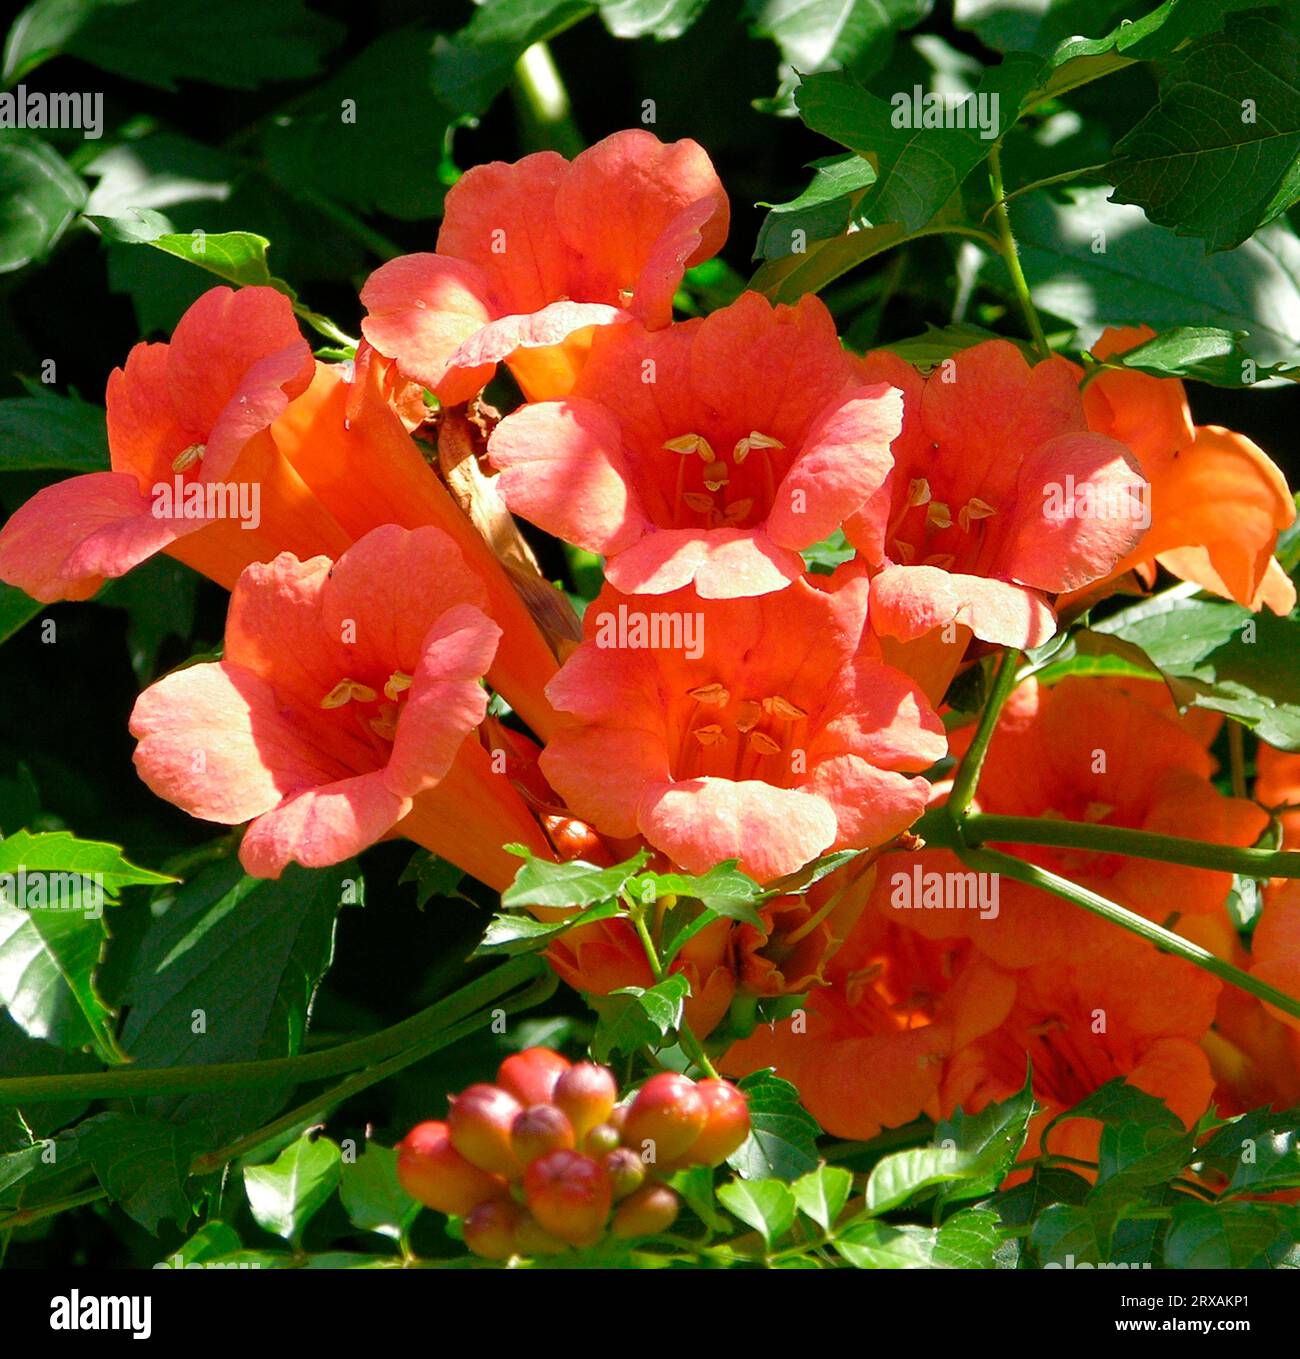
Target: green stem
(1064, 177)
(24, 1216)
(1237, 759)
(1010, 255)
(691, 1045)
(322, 325)
(279, 1071)
(981, 828)
(534, 994)
(543, 105)
(968, 772)
(992, 861)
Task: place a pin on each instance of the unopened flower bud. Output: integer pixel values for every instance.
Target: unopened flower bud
(530, 1075)
(652, 1209)
(587, 1093)
(539, 1129)
(480, 1121)
(434, 1172)
(490, 1229)
(726, 1123)
(626, 1171)
(570, 1195)
(667, 1112)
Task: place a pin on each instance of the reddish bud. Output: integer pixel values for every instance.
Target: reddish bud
(668, 1112)
(480, 1120)
(530, 1075)
(652, 1209)
(539, 1129)
(626, 1171)
(490, 1229)
(726, 1123)
(570, 1196)
(587, 1093)
(434, 1172)
(602, 1138)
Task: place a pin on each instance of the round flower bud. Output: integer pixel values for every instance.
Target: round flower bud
(626, 1171)
(652, 1209)
(668, 1113)
(434, 1172)
(602, 1138)
(726, 1123)
(530, 1075)
(587, 1093)
(570, 1196)
(538, 1129)
(531, 1238)
(480, 1120)
(490, 1229)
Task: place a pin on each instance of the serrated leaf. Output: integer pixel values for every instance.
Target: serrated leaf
(211, 1242)
(575, 883)
(989, 1142)
(968, 1240)
(633, 1016)
(782, 1142)
(1020, 1205)
(1201, 353)
(1219, 155)
(695, 1185)
(432, 876)
(1064, 1235)
(1133, 1159)
(1117, 1103)
(372, 1196)
(285, 1195)
(1222, 1236)
(724, 890)
(766, 1205)
(876, 1245)
(517, 933)
(142, 1163)
(822, 1194)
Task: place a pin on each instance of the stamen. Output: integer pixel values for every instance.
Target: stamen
(918, 491)
(345, 691)
(943, 560)
(187, 457)
(715, 476)
(708, 736)
(384, 725)
(782, 707)
(973, 509)
(701, 504)
(938, 515)
(711, 695)
(738, 509)
(906, 552)
(748, 715)
(688, 444)
(398, 682)
(763, 743)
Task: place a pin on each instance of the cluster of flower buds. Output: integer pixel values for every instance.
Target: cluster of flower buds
(539, 1161)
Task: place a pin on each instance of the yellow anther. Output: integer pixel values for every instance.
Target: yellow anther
(345, 691)
(738, 509)
(716, 476)
(688, 444)
(906, 552)
(711, 695)
(708, 736)
(1097, 811)
(187, 457)
(782, 707)
(748, 715)
(938, 515)
(753, 440)
(701, 504)
(763, 743)
(974, 508)
(625, 297)
(398, 682)
(385, 724)
(918, 491)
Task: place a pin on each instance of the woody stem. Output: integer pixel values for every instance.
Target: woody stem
(992, 861)
(980, 828)
(1010, 255)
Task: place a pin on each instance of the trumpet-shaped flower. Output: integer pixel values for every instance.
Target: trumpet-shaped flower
(1218, 502)
(196, 472)
(342, 712)
(532, 256)
(759, 729)
(708, 453)
(1000, 497)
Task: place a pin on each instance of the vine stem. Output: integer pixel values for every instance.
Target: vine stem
(337, 1061)
(993, 861)
(980, 828)
(968, 771)
(1010, 255)
(691, 1045)
(543, 103)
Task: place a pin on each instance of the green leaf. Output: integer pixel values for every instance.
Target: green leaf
(724, 890)
(817, 35)
(52, 935)
(1095, 263)
(238, 257)
(239, 44)
(1034, 25)
(17, 609)
(905, 1175)
(822, 210)
(39, 197)
(822, 1194)
(659, 19)
(875, 1245)
(822, 558)
(1222, 1236)
(1219, 155)
(517, 933)
(576, 883)
(1019, 1206)
(1134, 1159)
(357, 136)
(372, 1196)
(227, 973)
(634, 1016)
(968, 1240)
(285, 1195)
(782, 1142)
(47, 431)
(1202, 353)
(940, 342)
(142, 1163)
(472, 66)
(798, 882)
(989, 1142)
(1066, 1236)
(432, 876)
(212, 1241)
(766, 1205)
(695, 1185)
(159, 597)
(1117, 1103)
